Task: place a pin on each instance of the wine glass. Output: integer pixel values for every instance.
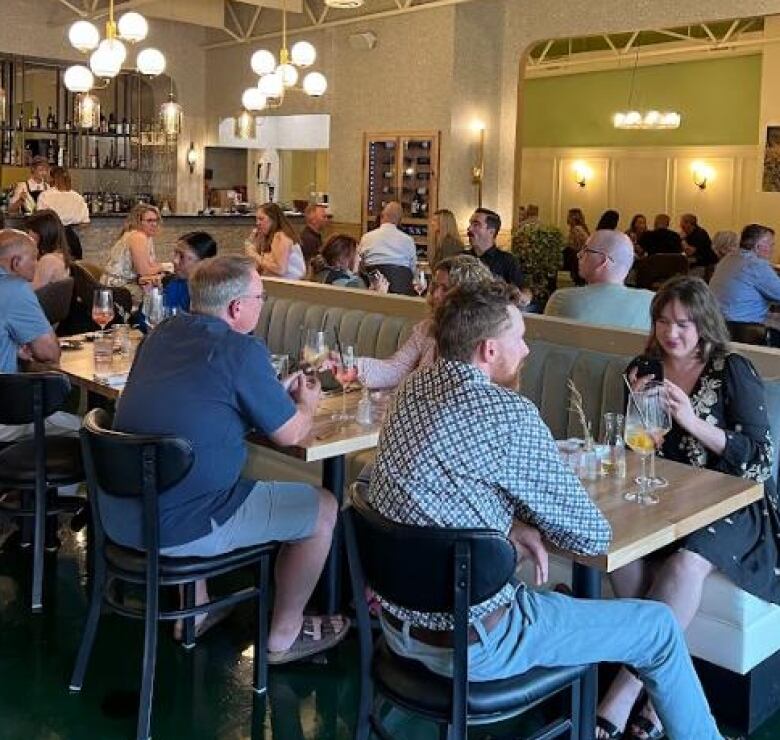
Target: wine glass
(103, 307)
(315, 350)
(420, 283)
(641, 413)
(661, 423)
(346, 372)
(153, 306)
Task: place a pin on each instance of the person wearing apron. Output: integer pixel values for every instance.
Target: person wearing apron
(26, 195)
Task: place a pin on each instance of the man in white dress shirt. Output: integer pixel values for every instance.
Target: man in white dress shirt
(388, 245)
(63, 200)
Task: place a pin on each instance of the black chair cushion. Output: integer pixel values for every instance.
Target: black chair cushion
(133, 562)
(63, 463)
(409, 683)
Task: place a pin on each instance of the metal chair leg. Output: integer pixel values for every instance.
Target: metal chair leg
(150, 658)
(91, 625)
(39, 537)
(260, 668)
(576, 691)
(189, 623)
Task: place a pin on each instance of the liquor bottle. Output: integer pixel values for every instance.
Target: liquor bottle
(37, 118)
(31, 121)
(50, 153)
(111, 123)
(51, 121)
(103, 124)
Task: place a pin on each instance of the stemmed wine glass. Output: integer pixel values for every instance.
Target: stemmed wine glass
(420, 283)
(644, 415)
(153, 306)
(661, 425)
(103, 307)
(346, 372)
(315, 350)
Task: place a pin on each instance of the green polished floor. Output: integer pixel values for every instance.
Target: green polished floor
(200, 694)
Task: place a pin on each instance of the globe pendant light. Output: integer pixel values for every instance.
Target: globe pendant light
(133, 27)
(87, 111)
(253, 99)
(303, 54)
(246, 126)
(315, 84)
(170, 117)
(78, 79)
(106, 61)
(272, 86)
(263, 62)
(83, 36)
(150, 62)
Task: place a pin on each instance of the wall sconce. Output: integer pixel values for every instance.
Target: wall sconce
(582, 173)
(703, 174)
(478, 170)
(192, 157)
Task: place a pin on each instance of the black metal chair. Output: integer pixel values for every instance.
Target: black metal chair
(55, 299)
(144, 467)
(39, 465)
(747, 332)
(462, 567)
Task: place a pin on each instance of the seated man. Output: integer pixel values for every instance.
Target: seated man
(744, 282)
(697, 244)
(202, 377)
(604, 263)
(25, 333)
(660, 239)
(390, 249)
(484, 458)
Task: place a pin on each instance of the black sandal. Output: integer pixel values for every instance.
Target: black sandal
(646, 725)
(613, 732)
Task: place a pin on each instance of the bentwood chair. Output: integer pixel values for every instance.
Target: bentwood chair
(141, 467)
(462, 567)
(37, 466)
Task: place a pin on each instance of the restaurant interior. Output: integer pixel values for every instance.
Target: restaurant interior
(339, 110)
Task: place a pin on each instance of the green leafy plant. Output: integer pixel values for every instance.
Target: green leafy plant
(539, 248)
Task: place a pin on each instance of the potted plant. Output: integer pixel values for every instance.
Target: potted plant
(539, 248)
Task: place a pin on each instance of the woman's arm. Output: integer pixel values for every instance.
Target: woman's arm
(389, 373)
(138, 245)
(275, 262)
(46, 270)
(711, 436)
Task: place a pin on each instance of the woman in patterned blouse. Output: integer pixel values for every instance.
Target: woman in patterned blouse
(718, 408)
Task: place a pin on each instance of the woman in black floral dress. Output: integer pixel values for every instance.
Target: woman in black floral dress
(718, 406)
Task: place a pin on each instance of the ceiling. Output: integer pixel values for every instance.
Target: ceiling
(240, 21)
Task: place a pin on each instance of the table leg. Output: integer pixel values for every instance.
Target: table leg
(333, 479)
(586, 584)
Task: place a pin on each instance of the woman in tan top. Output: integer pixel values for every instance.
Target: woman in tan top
(132, 257)
(46, 230)
(274, 246)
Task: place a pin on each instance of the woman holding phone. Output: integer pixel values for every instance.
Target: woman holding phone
(719, 421)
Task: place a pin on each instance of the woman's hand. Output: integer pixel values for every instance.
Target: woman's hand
(528, 543)
(638, 384)
(380, 284)
(679, 405)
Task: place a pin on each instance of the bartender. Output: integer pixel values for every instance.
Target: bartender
(25, 197)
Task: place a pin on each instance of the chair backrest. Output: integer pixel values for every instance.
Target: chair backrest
(74, 243)
(18, 393)
(55, 299)
(85, 285)
(652, 271)
(747, 333)
(400, 278)
(391, 554)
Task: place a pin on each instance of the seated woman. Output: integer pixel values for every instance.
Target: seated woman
(132, 260)
(636, 228)
(189, 250)
(337, 264)
(445, 239)
(718, 407)
(274, 245)
(46, 230)
(419, 350)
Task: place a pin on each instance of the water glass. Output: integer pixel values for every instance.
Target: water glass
(103, 353)
(121, 340)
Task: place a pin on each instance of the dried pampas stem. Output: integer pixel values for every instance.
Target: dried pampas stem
(578, 408)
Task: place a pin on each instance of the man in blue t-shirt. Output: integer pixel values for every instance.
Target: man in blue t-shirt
(25, 333)
(202, 377)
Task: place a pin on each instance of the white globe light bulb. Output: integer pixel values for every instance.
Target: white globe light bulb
(263, 62)
(315, 84)
(78, 79)
(303, 54)
(288, 73)
(133, 27)
(83, 36)
(106, 60)
(150, 62)
(271, 85)
(253, 99)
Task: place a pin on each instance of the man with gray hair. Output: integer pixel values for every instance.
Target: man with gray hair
(204, 377)
(604, 263)
(388, 245)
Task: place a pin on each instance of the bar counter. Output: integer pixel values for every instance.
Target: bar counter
(229, 231)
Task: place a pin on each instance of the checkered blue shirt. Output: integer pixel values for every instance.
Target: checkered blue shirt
(458, 451)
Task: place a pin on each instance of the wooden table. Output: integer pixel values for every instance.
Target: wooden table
(694, 499)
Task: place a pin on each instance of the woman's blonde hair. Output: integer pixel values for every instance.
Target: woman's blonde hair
(448, 235)
(134, 218)
(465, 271)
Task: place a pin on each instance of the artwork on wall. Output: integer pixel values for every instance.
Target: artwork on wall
(770, 182)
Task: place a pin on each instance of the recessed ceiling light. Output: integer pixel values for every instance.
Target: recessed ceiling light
(348, 4)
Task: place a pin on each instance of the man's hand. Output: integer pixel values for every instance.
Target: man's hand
(24, 353)
(305, 391)
(528, 543)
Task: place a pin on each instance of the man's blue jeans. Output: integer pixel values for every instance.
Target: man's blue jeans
(549, 629)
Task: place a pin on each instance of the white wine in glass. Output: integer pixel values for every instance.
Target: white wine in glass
(640, 411)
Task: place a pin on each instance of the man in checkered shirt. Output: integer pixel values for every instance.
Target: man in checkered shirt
(459, 449)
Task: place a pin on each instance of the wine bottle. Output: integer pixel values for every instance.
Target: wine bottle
(111, 124)
(37, 118)
(51, 121)
(103, 124)
(31, 121)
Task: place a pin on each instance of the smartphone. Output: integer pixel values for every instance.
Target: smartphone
(649, 366)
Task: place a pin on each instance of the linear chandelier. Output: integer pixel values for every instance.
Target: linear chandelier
(276, 79)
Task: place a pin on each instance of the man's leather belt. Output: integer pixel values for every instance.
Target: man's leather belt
(443, 638)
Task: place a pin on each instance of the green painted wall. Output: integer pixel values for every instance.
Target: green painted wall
(719, 101)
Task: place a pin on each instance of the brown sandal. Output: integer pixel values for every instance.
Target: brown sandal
(317, 634)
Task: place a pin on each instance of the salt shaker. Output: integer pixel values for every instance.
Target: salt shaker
(363, 415)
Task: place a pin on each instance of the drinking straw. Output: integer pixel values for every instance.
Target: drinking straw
(632, 397)
(338, 344)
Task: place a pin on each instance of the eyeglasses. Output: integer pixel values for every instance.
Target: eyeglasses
(150, 220)
(588, 250)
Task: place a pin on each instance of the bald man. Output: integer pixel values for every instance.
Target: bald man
(388, 245)
(604, 263)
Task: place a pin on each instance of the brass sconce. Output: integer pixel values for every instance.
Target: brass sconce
(702, 174)
(192, 157)
(478, 170)
(582, 173)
